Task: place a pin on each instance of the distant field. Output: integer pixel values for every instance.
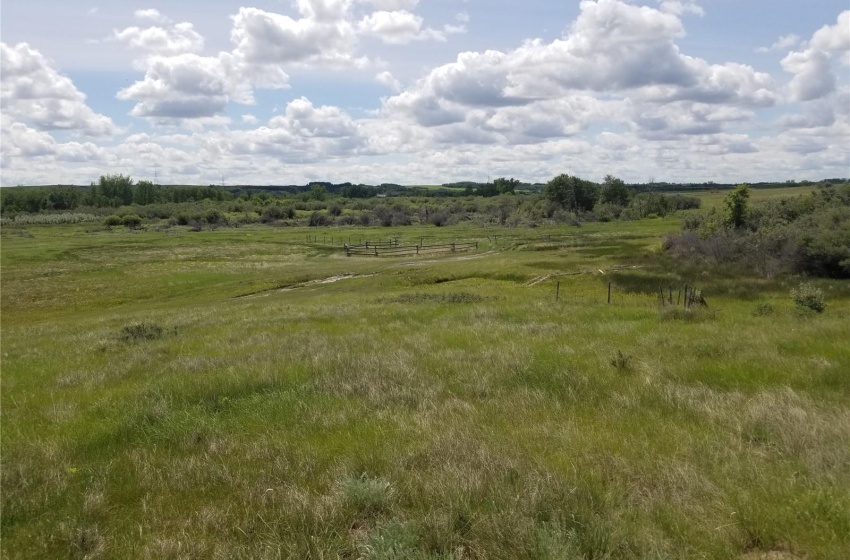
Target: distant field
(245, 393)
(714, 199)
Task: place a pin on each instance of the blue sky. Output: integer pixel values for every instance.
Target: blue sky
(424, 91)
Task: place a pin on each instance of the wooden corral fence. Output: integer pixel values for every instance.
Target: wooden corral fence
(392, 248)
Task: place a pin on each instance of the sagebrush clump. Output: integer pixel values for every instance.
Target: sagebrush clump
(808, 297)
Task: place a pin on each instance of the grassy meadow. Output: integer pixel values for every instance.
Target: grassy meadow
(245, 393)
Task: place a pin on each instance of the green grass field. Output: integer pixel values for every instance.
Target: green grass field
(714, 199)
(242, 393)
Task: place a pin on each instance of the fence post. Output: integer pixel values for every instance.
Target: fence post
(453, 247)
(557, 290)
(376, 250)
(661, 293)
(609, 292)
(670, 289)
(417, 250)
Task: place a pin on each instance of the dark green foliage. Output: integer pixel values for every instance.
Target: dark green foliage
(214, 216)
(736, 206)
(506, 186)
(808, 234)
(614, 191)
(655, 204)
(112, 190)
(113, 220)
(358, 191)
(318, 219)
(147, 193)
(132, 221)
(275, 212)
(317, 192)
(572, 193)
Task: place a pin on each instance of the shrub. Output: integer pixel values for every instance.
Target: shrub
(141, 331)
(113, 220)
(622, 362)
(214, 216)
(334, 209)
(132, 221)
(763, 310)
(367, 495)
(808, 297)
(318, 219)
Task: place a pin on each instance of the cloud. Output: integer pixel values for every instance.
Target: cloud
(401, 27)
(151, 14)
(33, 92)
(397, 27)
(304, 133)
(322, 37)
(617, 63)
(812, 67)
(177, 39)
(782, 44)
(386, 78)
(19, 140)
(833, 38)
(392, 5)
(680, 7)
(188, 86)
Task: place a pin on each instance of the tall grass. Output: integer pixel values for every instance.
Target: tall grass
(418, 408)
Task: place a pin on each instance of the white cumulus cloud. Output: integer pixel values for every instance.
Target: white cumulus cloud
(34, 92)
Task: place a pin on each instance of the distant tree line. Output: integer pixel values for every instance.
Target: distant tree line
(111, 191)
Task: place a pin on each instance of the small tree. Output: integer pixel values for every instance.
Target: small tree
(572, 193)
(614, 191)
(737, 207)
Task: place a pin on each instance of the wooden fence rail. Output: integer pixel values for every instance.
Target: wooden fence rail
(401, 250)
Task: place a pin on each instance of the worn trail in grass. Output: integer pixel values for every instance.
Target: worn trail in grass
(451, 409)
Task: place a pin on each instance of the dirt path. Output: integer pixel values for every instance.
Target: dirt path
(544, 277)
(452, 259)
(328, 280)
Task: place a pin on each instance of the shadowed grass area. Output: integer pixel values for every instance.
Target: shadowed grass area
(247, 394)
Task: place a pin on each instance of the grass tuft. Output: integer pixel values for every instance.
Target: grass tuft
(367, 495)
(145, 330)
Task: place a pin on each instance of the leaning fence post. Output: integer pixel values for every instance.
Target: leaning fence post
(661, 293)
(557, 290)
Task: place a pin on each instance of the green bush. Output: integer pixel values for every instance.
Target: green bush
(808, 297)
(132, 221)
(113, 220)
